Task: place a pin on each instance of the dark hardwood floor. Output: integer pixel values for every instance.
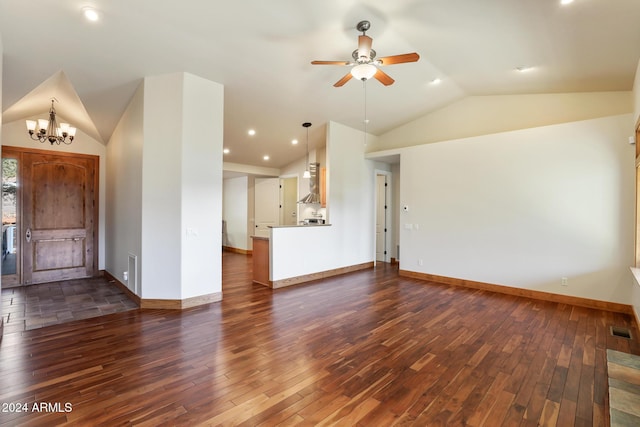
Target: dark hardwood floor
(369, 348)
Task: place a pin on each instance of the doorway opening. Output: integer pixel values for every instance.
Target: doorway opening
(289, 200)
(382, 215)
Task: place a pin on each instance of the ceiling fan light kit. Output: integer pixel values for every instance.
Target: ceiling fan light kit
(364, 71)
(365, 65)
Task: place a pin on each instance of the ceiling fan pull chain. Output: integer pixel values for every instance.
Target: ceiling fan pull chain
(364, 84)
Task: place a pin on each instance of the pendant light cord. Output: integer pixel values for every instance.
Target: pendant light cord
(307, 167)
(307, 171)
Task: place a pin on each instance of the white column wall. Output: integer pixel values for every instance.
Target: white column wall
(201, 182)
(181, 187)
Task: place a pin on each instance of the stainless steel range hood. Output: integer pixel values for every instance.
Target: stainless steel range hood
(314, 186)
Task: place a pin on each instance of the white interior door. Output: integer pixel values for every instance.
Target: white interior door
(266, 205)
(289, 201)
(381, 218)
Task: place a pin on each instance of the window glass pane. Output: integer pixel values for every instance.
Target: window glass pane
(9, 211)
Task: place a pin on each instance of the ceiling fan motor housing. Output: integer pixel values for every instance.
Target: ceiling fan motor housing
(355, 56)
(363, 26)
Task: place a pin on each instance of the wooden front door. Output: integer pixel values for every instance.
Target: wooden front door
(58, 216)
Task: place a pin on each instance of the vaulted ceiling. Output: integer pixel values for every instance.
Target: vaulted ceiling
(261, 52)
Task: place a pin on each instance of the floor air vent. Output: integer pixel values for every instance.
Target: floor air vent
(621, 332)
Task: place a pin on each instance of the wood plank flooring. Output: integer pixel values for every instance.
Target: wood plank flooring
(369, 348)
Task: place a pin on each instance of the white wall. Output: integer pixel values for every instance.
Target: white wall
(162, 187)
(251, 209)
(14, 134)
(525, 208)
(181, 187)
(235, 209)
(636, 120)
(483, 115)
(124, 193)
(349, 240)
(201, 183)
(636, 95)
(395, 208)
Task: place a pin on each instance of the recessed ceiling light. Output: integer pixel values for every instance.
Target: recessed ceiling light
(226, 151)
(251, 132)
(91, 14)
(565, 2)
(265, 158)
(294, 141)
(436, 81)
(524, 69)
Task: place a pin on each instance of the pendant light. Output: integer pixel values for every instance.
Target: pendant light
(307, 173)
(311, 172)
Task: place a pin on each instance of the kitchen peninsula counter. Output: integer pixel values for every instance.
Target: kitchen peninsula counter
(296, 254)
(300, 225)
(260, 255)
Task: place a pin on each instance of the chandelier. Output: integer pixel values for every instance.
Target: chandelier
(48, 130)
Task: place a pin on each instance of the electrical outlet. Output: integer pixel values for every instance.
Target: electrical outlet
(420, 262)
(564, 281)
(125, 276)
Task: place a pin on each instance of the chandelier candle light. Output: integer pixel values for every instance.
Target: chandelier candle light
(48, 130)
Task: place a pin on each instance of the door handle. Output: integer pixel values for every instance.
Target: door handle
(27, 235)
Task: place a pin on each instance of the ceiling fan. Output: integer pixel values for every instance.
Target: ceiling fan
(365, 65)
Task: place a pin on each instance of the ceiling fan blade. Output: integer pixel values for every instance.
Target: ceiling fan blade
(399, 59)
(364, 47)
(383, 77)
(330, 62)
(343, 80)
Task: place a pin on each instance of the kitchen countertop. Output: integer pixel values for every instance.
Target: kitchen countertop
(300, 226)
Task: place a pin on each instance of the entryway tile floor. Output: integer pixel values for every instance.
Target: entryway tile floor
(36, 306)
(624, 388)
